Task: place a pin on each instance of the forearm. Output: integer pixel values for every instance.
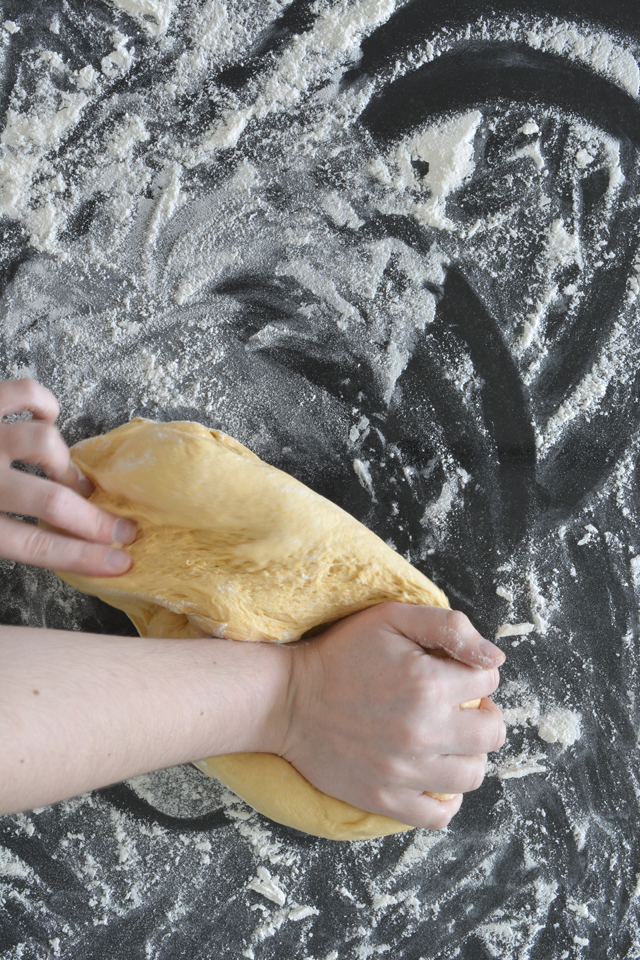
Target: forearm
(79, 711)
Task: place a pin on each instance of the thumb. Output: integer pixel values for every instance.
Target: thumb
(446, 633)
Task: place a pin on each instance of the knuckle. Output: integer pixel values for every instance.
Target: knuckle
(387, 769)
(492, 738)
(34, 395)
(20, 394)
(433, 690)
(402, 770)
(37, 547)
(30, 390)
(10, 386)
(99, 526)
(422, 738)
(388, 608)
(54, 501)
(47, 437)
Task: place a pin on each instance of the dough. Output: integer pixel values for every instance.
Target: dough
(229, 546)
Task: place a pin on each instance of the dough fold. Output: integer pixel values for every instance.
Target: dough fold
(229, 546)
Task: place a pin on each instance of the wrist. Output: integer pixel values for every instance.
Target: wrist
(257, 696)
(307, 674)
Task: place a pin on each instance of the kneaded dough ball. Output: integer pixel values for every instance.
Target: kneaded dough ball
(229, 546)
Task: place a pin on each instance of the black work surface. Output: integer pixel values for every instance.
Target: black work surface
(210, 225)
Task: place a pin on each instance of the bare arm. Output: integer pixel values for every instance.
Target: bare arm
(362, 710)
(79, 711)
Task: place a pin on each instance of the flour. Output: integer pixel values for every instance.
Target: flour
(559, 725)
(524, 713)
(361, 470)
(501, 936)
(120, 60)
(337, 33)
(587, 395)
(236, 248)
(580, 909)
(599, 51)
(436, 515)
(521, 766)
(505, 593)
(12, 867)
(341, 212)
(267, 887)
(540, 605)
(515, 629)
(154, 15)
(446, 153)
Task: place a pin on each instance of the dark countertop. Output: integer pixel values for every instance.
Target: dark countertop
(404, 268)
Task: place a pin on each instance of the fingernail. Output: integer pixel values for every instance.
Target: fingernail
(491, 652)
(85, 487)
(118, 560)
(124, 531)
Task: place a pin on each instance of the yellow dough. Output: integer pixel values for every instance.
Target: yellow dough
(229, 546)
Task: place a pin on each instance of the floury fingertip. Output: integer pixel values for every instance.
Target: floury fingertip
(490, 652)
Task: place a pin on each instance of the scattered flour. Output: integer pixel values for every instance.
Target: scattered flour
(520, 715)
(599, 51)
(521, 766)
(504, 593)
(154, 15)
(164, 240)
(585, 399)
(267, 887)
(447, 152)
(362, 472)
(559, 725)
(515, 629)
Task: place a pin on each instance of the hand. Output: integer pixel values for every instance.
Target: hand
(59, 500)
(375, 720)
(361, 710)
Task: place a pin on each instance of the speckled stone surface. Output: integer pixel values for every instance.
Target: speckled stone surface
(394, 250)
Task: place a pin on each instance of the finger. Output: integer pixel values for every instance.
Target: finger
(492, 708)
(35, 442)
(447, 630)
(421, 810)
(452, 683)
(26, 543)
(61, 507)
(472, 732)
(453, 774)
(19, 395)
(41, 443)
